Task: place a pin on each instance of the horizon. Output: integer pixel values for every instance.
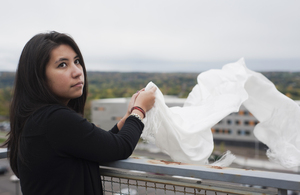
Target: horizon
(159, 66)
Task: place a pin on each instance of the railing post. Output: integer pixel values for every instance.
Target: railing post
(282, 192)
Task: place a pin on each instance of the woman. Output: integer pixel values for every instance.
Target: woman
(53, 149)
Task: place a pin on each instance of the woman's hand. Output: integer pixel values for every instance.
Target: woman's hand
(132, 100)
(143, 99)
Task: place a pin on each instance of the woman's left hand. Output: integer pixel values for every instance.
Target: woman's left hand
(130, 105)
(132, 101)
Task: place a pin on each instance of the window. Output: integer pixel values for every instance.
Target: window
(243, 132)
(116, 118)
(246, 122)
(221, 131)
(229, 122)
(99, 108)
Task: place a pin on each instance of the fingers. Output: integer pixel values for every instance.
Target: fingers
(146, 100)
(134, 96)
(152, 89)
(143, 99)
(140, 91)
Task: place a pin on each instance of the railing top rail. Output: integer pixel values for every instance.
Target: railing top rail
(3, 153)
(206, 172)
(225, 174)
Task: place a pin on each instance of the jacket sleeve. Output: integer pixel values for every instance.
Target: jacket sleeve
(115, 129)
(73, 136)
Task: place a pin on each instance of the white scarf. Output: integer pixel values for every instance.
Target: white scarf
(184, 133)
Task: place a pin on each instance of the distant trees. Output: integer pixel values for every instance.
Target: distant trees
(110, 84)
(287, 83)
(122, 84)
(6, 84)
(5, 98)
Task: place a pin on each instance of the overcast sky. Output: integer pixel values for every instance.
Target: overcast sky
(160, 35)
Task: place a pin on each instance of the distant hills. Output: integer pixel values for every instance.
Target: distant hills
(178, 84)
(124, 84)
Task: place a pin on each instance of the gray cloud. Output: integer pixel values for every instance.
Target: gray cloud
(172, 34)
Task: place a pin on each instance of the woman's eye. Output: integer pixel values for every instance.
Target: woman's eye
(77, 61)
(62, 65)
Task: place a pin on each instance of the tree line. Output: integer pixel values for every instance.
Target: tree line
(124, 84)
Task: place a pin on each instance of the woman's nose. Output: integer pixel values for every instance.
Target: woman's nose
(77, 70)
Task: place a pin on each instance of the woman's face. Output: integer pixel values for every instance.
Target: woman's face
(64, 74)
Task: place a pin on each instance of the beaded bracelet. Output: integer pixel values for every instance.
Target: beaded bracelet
(137, 116)
(139, 109)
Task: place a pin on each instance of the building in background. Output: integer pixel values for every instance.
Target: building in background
(107, 112)
(235, 129)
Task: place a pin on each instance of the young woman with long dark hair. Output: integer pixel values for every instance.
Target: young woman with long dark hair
(52, 148)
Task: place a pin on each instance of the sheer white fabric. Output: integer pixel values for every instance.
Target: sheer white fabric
(184, 133)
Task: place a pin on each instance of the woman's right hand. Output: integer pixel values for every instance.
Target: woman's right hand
(143, 99)
(146, 99)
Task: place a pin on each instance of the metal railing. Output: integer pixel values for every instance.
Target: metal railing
(145, 176)
(121, 182)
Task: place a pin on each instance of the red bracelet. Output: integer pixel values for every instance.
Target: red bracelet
(140, 109)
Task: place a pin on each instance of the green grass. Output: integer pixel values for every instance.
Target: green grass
(2, 137)
(2, 140)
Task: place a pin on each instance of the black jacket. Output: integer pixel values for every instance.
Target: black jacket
(62, 150)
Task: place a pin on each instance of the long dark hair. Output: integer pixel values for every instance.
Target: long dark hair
(31, 91)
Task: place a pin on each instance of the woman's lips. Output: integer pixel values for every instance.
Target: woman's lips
(79, 84)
